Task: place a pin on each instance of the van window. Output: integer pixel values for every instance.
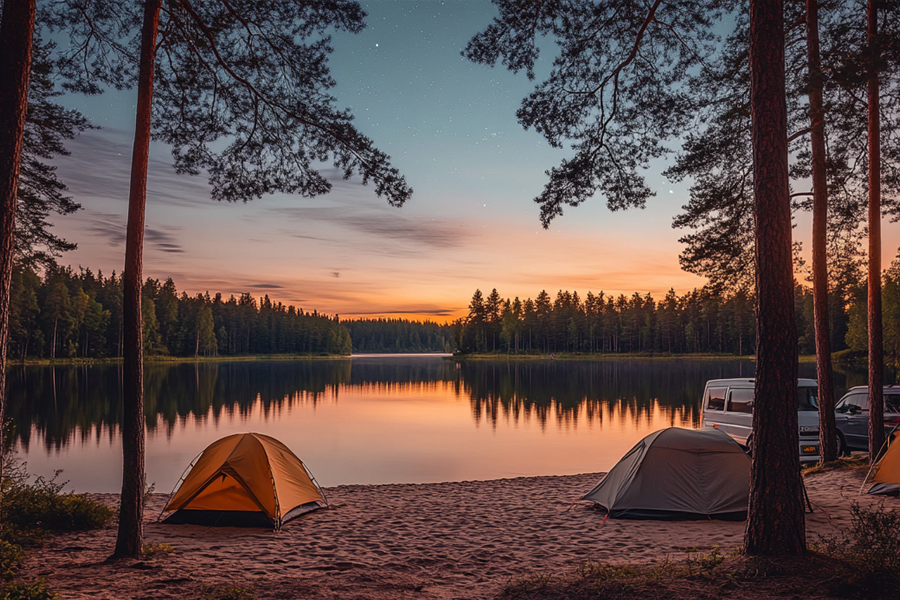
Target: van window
(741, 401)
(806, 398)
(716, 399)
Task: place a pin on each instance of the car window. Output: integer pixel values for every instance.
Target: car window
(806, 398)
(716, 399)
(740, 400)
(891, 403)
(854, 403)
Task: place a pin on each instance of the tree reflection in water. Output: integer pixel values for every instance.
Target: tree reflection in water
(66, 404)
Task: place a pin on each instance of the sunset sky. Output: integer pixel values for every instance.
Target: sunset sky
(450, 127)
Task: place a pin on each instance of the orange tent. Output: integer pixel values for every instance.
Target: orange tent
(887, 470)
(244, 479)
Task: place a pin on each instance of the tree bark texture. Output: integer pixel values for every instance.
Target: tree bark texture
(16, 30)
(775, 524)
(876, 345)
(129, 542)
(828, 446)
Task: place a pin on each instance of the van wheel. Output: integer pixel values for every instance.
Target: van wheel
(841, 445)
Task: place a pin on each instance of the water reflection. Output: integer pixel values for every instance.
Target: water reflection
(62, 403)
(413, 418)
(566, 392)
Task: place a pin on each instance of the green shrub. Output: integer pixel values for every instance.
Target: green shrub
(29, 513)
(43, 506)
(10, 557)
(27, 591)
(875, 539)
(869, 553)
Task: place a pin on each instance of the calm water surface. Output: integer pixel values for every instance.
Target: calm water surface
(370, 419)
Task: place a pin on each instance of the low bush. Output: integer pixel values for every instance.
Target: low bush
(27, 591)
(869, 551)
(11, 555)
(875, 539)
(30, 513)
(43, 506)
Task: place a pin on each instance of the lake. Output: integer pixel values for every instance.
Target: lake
(368, 419)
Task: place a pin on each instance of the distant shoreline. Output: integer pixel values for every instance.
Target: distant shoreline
(482, 357)
(571, 356)
(46, 362)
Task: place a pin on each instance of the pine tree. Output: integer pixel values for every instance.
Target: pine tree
(16, 31)
(251, 74)
(775, 519)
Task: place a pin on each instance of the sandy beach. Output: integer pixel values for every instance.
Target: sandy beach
(431, 541)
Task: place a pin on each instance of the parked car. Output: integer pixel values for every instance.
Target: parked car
(728, 406)
(852, 416)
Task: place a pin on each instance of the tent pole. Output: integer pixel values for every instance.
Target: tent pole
(177, 486)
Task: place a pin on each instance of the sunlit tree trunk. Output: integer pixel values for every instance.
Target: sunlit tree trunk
(53, 339)
(16, 30)
(775, 524)
(876, 348)
(129, 542)
(827, 429)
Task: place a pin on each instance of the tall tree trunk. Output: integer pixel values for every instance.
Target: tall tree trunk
(876, 350)
(53, 339)
(16, 31)
(827, 429)
(129, 542)
(775, 524)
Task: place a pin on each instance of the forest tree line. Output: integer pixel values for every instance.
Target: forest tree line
(67, 314)
(706, 320)
(383, 335)
(63, 313)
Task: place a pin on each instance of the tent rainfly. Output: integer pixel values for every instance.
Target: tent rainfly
(678, 473)
(244, 480)
(886, 471)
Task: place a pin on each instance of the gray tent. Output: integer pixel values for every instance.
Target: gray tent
(678, 474)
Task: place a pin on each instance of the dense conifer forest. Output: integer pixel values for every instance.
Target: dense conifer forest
(69, 314)
(63, 313)
(700, 321)
(399, 335)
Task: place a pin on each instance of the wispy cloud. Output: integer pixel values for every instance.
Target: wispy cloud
(163, 240)
(380, 232)
(111, 228)
(432, 311)
(265, 286)
(108, 227)
(100, 167)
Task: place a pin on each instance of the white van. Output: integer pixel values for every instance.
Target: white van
(728, 406)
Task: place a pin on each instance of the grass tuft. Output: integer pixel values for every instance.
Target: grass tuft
(36, 590)
(229, 592)
(861, 564)
(843, 463)
(156, 550)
